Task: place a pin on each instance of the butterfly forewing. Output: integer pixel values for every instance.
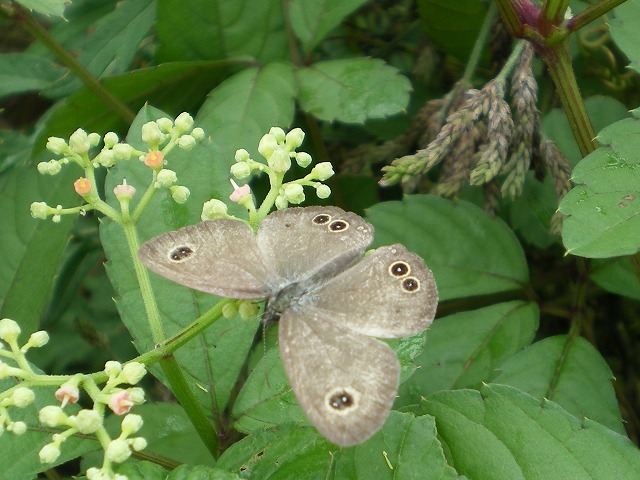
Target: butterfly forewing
(346, 383)
(216, 256)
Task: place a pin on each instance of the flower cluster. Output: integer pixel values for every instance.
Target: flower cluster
(278, 149)
(161, 136)
(483, 137)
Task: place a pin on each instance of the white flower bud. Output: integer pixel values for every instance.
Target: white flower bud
(52, 416)
(322, 171)
(49, 453)
(112, 368)
(39, 210)
(242, 155)
(123, 151)
(184, 123)
(240, 170)
(79, 142)
(18, 428)
(117, 451)
(138, 443)
(267, 145)
(133, 372)
(198, 134)
(88, 421)
(106, 158)
(136, 395)
(323, 191)
(131, 424)
(186, 142)
(294, 193)
(278, 134)
(294, 139)
(165, 178)
(110, 139)
(23, 397)
(52, 167)
(165, 124)
(214, 208)
(94, 139)
(9, 330)
(57, 145)
(303, 159)
(39, 339)
(151, 134)
(180, 194)
(281, 202)
(279, 160)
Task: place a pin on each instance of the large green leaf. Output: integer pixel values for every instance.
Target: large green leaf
(352, 90)
(46, 7)
(616, 275)
(21, 72)
(503, 433)
(465, 349)
(570, 372)
(603, 210)
(470, 252)
(214, 30)
(624, 29)
(312, 20)
(401, 450)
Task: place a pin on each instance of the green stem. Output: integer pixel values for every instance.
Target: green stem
(510, 17)
(89, 80)
(511, 62)
(558, 62)
(553, 11)
(481, 41)
(146, 198)
(592, 13)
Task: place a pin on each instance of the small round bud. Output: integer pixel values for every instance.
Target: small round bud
(123, 151)
(120, 402)
(39, 210)
(106, 158)
(88, 421)
(248, 310)
(303, 159)
(138, 443)
(52, 416)
(214, 208)
(242, 155)
(112, 368)
(52, 167)
(279, 160)
(9, 330)
(187, 142)
(322, 171)
(154, 159)
(56, 218)
(39, 339)
(164, 124)
(267, 145)
(151, 135)
(323, 191)
(165, 178)
(180, 194)
(294, 139)
(23, 397)
(294, 193)
(198, 134)
(131, 424)
(57, 145)
(240, 170)
(184, 123)
(79, 142)
(281, 202)
(110, 139)
(118, 450)
(133, 372)
(94, 139)
(82, 186)
(18, 428)
(137, 395)
(49, 453)
(278, 134)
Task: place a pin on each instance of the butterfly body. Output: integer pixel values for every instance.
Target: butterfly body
(330, 301)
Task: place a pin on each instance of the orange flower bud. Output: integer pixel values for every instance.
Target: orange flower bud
(82, 186)
(154, 159)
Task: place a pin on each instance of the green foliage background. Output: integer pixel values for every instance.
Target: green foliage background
(501, 386)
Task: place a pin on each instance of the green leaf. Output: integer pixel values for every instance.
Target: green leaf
(465, 349)
(21, 72)
(142, 471)
(574, 375)
(502, 433)
(400, 451)
(32, 248)
(221, 29)
(242, 109)
(603, 209)
(469, 252)
(46, 7)
(616, 276)
(623, 27)
(352, 90)
(312, 20)
(200, 472)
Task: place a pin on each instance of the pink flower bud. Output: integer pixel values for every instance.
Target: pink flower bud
(67, 394)
(239, 192)
(124, 191)
(120, 402)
